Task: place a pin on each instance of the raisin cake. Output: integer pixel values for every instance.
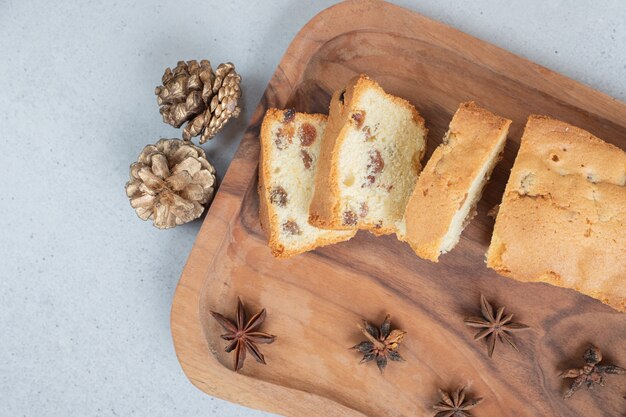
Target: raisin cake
(290, 147)
(563, 215)
(453, 180)
(369, 161)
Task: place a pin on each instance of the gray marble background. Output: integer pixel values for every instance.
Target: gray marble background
(85, 286)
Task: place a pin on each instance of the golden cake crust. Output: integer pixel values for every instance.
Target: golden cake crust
(325, 210)
(443, 186)
(267, 214)
(563, 215)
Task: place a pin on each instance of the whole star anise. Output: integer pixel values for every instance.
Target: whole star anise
(381, 344)
(494, 325)
(591, 373)
(455, 404)
(243, 335)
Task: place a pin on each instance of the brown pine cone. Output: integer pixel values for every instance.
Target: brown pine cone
(171, 183)
(203, 98)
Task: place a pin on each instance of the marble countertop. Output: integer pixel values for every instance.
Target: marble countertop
(86, 287)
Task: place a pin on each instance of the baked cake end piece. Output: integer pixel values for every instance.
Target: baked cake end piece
(563, 215)
(290, 147)
(369, 161)
(451, 184)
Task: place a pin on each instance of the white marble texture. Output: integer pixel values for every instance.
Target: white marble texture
(86, 287)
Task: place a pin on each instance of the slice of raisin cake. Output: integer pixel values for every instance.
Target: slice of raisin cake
(563, 215)
(290, 148)
(448, 189)
(369, 161)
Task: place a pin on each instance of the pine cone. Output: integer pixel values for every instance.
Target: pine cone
(196, 94)
(171, 183)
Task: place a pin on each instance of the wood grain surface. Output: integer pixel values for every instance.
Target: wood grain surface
(314, 300)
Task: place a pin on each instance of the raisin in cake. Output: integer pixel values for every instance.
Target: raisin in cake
(369, 161)
(447, 190)
(290, 147)
(563, 215)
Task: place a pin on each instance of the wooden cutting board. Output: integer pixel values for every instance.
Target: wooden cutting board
(314, 300)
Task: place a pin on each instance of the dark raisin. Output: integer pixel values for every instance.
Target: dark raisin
(306, 158)
(358, 117)
(342, 95)
(369, 180)
(278, 196)
(307, 134)
(376, 163)
(375, 166)
(289, 115)
(284, 137)
(349, 218)
(291, 227)
(363, 209)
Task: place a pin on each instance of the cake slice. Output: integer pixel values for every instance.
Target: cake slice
(290, 148)
(369, 161)
(563, 215)
(446, 193)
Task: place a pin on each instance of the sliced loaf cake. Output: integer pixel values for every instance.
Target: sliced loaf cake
(290, 147)
(447, 191)
(563, 215)
(369, 161)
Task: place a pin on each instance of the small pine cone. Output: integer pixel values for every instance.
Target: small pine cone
(171, 183)
(203, 98)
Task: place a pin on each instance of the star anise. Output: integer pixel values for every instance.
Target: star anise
(494, 325)
(455, 404)
(591, 373)
(381, 344)
(243, 335)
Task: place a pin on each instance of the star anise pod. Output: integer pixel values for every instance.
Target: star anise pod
(494, 325)
(455, 404)
(381, 344)
(243, 335)
(591, 373)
